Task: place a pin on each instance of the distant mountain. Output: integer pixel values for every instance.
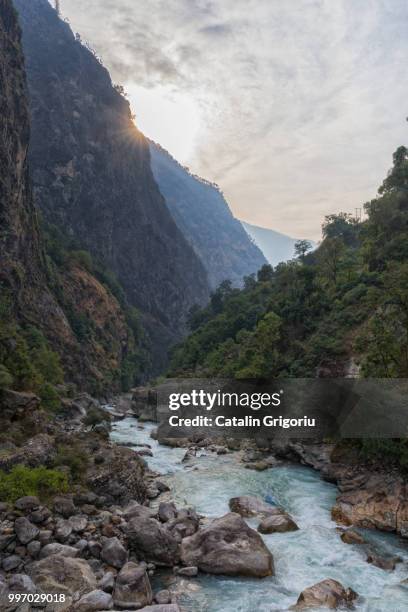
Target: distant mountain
(204, 217)
(92, 178)
(275, 246)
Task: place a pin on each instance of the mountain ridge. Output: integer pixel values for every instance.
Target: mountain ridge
(92, 178)
(202, 214)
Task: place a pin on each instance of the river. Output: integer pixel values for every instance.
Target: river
(302, 557)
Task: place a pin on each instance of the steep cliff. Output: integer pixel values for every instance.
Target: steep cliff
(40, 302)
(22, 274)
(204, 217)
(92, 176)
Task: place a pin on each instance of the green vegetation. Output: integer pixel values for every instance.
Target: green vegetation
(64, 252)
(95, 417)
(26, 361)
(349, 298)
(40, 481)
(74, 458)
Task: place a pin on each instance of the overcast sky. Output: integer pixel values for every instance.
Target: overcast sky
(294, 107)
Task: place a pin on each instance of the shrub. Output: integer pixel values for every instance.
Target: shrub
(50, 399)
(83, 259)
(6, 379)
(74, 458)
(38, 481)
(95, 417)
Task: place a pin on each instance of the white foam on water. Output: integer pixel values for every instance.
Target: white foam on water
(302, 558)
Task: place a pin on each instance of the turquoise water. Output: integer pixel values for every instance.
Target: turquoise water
(302, 557)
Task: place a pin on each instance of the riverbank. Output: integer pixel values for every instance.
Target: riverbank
(315, 552)
(189, 526)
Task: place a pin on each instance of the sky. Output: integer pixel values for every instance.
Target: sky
(294, 107)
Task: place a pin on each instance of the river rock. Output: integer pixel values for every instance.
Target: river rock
(150, 540)
(78, 523)
(328, 593)
(167, 511)
(45, 537)
(40, 516)
(33, 548)
(58, 574)
(162, 486)
(64, 505)
(107, 582)
(279, 523)
(29, 502)
(25, 530)
(135, 509)
(21, 583)
(190, 572)
(62, 531)
(11, 562)
(185, 524)
(94, 602)
(248, 505)
(62, 550)
(95, 548)
(132, 588)
(258, 466)
(350, 536)
(163, 597)
(113, 553)
(228, 546)
(162, 608)
(385, 563)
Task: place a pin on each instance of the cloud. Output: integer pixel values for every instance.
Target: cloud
(302, 102)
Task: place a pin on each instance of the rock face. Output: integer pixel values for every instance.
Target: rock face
(92, 176)
(376, 501)
(328, 593)
(22, 273)
(228, 546)
(51, 306)
(202, 214)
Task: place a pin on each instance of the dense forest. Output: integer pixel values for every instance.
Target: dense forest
(340, 309)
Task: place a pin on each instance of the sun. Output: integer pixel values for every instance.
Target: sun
(172, 119)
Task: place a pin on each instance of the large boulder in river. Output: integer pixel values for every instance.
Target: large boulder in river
(132, 588)
(279, 523)
(151, 541)
(249, 505)
(228, 546)
(325, 594)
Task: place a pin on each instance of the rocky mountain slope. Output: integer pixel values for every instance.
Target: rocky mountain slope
(45, 310)
(275, 246)
(204, 217)
(92, 177)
